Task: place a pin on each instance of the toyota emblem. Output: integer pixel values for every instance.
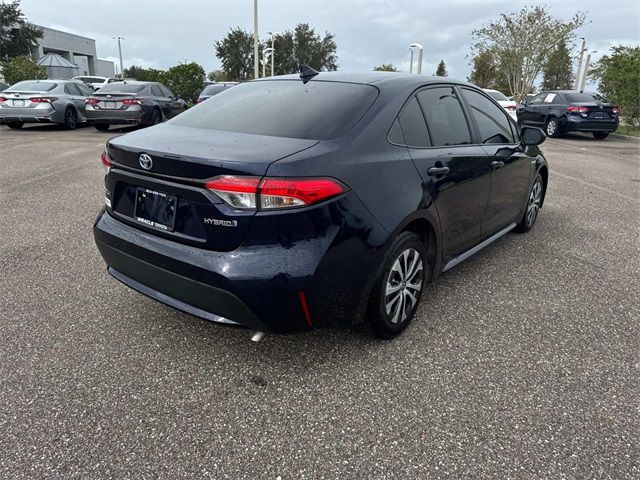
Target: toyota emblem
(145, 161)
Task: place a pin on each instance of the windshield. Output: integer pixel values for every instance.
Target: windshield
(284, 108)
(122, 88)
(585, 97)
(497, 95)
(29, 86)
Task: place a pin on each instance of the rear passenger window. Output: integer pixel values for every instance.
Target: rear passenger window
(155, 91)
(69, 90)
(413, 126)
(395, 133)
(493, 124)
(445, 118)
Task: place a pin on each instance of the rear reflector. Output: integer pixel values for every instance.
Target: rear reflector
(273, 193)
(305, 308)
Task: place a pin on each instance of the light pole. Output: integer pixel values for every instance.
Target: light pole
(420, 51)
(587, 63)
(411, 61)
(580, 58)
(273, 50)
(266, 53)
(256, 59)
(120, 56)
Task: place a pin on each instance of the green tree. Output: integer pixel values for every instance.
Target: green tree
(304, 46)
(218, 76)
(522, 43)
(17, 35)
(487, 74)
(185, 80)
(386, 67)
(145, 74)
(22, 68)
(441, 71)
(557, 73)
(235, 52)
(619, 77)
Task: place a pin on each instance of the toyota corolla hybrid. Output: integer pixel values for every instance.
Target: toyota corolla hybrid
(297, 202)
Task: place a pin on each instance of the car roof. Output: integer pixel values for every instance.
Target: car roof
(383, 80)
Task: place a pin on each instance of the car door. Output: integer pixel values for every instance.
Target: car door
(531, 113)
(511, 167)
(175, 105)
(161, 99)
(75, 96)
(455, 174)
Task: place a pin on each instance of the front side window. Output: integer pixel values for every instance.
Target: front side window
(445, 118)
(493, 124)
(165, 91)
(538, 99)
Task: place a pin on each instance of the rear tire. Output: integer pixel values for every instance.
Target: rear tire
(396, 293)
(70, 119)
(600, 135)
(552, 128)
(15, 125)
(534, 203)
(156, 117)
(103, 127)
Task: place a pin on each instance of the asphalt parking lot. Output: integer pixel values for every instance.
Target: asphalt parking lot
(523, 362)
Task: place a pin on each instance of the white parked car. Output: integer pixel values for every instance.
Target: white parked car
(95, 82)
(509, 105)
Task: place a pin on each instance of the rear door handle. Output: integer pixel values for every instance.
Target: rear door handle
(497, 164)
(435, 171)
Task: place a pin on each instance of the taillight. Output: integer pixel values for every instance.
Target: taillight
(3, 99)
(43, 99)
(91, 101)
(273, 193)
(577, 109)
(511, 107)
(132, 101)
(200, 100)
(616, 109)
(106, 161)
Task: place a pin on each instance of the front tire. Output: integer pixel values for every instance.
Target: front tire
(396, 293)
(552, 128)
(70, 119)
(600, 135)
(15, 125)
(534, 203)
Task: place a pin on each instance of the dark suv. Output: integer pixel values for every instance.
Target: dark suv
(563, 111)
(333, 203)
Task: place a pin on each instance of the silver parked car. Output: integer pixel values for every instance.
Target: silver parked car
(44, 101)
(95, 82)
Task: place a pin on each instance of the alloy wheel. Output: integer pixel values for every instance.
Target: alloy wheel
(70, 119)
(403, 287)
(552, 126)
(535, 200)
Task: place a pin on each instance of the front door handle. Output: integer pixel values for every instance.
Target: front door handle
(497, 164)
(435, 171)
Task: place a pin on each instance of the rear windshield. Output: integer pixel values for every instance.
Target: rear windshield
(584, 97)
(497, 95)
(28, 86)
(122, 88)
(213, 89)
(284, 108)
(91, 79)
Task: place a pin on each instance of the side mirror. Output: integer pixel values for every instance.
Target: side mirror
(532, 136)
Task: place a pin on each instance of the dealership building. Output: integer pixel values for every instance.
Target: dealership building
(77, 50)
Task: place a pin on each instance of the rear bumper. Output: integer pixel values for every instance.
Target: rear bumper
(115, 117)
(32, 115)
(258, 285)
(578, 124)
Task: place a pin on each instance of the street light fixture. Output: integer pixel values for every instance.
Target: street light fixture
(411, 61)
(420, 51)
(587, 63)
(266, 53)
(273, 50)
(120, 56)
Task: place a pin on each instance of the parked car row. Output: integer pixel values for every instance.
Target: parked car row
(100, 101)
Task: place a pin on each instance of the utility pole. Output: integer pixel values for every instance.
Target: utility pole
(120, 56)
(273, 50)
(587, 64)
(583, 49)
(256, 60)
(411, 61)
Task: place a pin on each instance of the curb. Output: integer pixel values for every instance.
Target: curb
(626, 138)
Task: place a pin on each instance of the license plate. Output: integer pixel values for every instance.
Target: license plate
(598, 115)
(155, 209)
(110, 105)
(18, 103)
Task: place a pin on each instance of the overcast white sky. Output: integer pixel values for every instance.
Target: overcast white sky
(161, 33)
